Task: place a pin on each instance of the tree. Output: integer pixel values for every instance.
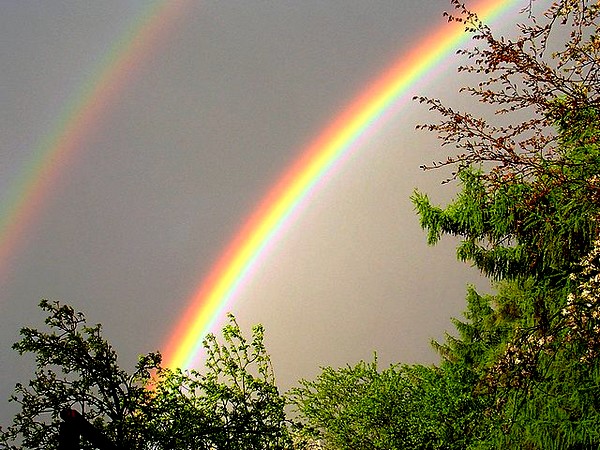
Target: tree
(401, 407)
(362, 408)
(77, 368)
(527, 216)
(234, 404)
(529, 202)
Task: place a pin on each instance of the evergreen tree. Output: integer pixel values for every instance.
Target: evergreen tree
(527, 216)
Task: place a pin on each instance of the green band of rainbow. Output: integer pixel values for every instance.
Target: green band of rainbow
(367, 113)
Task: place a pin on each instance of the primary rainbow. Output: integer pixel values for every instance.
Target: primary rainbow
(81, 116)
(366, 114)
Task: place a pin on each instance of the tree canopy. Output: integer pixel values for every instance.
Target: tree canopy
(232, 404)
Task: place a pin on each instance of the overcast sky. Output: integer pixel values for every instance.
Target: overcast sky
(215, 112)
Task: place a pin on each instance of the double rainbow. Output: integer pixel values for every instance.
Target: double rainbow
(364, 116)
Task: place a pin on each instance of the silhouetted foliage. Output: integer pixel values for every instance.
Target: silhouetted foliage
(233, 404)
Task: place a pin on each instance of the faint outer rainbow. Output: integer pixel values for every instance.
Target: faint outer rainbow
(79, 119)
(367, 113)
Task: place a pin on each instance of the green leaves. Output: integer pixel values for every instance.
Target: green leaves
(359, 407)
(233, 404)
(527, 216)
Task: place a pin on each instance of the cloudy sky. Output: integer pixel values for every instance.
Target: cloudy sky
(202, 122)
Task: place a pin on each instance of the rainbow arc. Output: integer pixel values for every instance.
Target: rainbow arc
(383, 98)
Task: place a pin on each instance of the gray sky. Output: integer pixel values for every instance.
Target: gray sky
(230, 97)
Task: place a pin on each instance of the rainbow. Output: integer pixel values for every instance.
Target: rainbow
(80, 118)
(363, 117)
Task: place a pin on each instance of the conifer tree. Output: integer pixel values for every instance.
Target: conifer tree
(527, 216)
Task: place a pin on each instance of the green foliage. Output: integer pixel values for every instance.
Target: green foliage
(401, 407)
(362, 408)
(76, 368)
(527, 216)
(533, 235)
(521, 228)
(548, 380)
(233, 404)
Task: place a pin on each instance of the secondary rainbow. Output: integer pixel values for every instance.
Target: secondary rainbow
(364, 116)
(80, 117)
